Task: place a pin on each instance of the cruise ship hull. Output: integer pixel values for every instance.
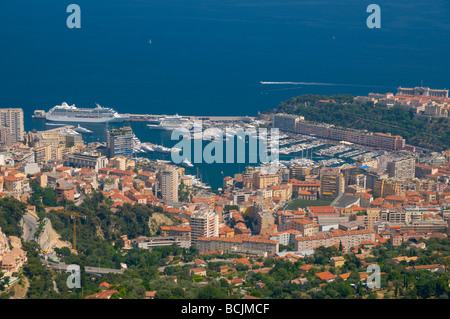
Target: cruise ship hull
(85, 120)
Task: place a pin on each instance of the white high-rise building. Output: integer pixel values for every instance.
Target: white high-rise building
(12, 119)
(169, 183)
(204, 223)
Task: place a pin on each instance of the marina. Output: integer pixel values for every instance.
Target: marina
(331, 162)
(153, 140)
(351, 153)
(301, 147)
(333, 150)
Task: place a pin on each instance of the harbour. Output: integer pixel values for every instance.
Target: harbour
(155, 142)
(129, 117)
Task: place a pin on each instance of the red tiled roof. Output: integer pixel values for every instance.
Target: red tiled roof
(326, 275)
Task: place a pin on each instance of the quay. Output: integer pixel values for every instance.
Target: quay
(153, 117)
(40, 114)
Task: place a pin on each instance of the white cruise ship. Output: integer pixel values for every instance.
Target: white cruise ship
(172, 123)
(70, 113)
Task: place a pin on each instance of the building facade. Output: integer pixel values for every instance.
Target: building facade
(12, 119)
(120, 142)
(204, 223)
(169, 183)
(332, 183)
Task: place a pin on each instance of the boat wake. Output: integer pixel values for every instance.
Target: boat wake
(323, 84)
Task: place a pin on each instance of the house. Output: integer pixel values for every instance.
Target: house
(243, 261)
(326, 275)
(299, 281)
(236, 282)
(337, 261)
(432, 268)
(369, 244)
(13, 260)
(345, 275)
(418, 245)
(106, 294)
(305, 268)
(104, 286)
(265, 270)
(399, 259)
(150, 294)
(199, 263)
(201, 271)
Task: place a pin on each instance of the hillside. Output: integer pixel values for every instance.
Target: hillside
(341, 111)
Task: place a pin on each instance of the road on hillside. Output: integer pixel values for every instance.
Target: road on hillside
(161, 269)
(30, 223)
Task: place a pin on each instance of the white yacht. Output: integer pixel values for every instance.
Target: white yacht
(147, 148)
(172, 123)
(80, 129)
(186, 163)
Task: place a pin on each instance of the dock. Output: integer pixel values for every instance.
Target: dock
(40, 114)
(154, 117)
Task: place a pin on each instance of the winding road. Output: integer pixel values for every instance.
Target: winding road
(30, 223)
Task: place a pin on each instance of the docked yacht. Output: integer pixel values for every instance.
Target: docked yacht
(172, 123)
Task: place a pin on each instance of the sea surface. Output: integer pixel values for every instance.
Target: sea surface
(207, 57)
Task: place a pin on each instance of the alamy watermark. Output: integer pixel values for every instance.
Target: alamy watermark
(74, 19)
(227, 145)
(374, 19)
(74, 279)
(374, 280)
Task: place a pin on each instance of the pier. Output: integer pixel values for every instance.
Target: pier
(154, 117)
(40, 114)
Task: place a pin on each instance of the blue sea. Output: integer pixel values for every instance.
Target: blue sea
(207, 57)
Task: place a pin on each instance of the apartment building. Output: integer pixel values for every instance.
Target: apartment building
(284, 191)
(331, 183)
(169, 183)
(204, 223)
(152, 242)
(305, 227)
(285, 122)
(301, 186)
(377, 140)
(284, 219)
(176, 231)
(402, 168)
(82, 160)
(13, 184)
(395, 216)
(120, 142)
(12, 119)
(370, 217)
(5, 136)
(246, 245)
(348, 239)
(386, 187)
(64, 190)
(261, 180)
(264, 221)
(285, 237)
(299, 170)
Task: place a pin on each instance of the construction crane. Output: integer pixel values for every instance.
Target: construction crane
(72, 215)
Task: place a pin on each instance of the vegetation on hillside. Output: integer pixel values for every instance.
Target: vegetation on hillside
(11, 212)
(341, 111)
